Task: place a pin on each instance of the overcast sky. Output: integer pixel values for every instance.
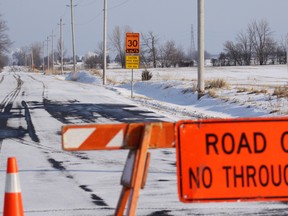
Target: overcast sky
(33, 20)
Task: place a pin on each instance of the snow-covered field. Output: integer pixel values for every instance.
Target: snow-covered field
(250, 91)
(61, 183)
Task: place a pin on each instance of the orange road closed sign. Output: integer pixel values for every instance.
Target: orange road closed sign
(132, 42)
(231, 160)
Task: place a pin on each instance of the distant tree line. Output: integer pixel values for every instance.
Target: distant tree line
(152, 52)
(255, 45)
(33, 56)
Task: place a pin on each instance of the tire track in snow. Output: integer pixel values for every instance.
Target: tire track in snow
(98, 201)
(5, 112)
(2, 79)
(30, 126)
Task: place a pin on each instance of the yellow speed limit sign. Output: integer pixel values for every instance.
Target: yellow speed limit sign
(132, 43)
(132, 62)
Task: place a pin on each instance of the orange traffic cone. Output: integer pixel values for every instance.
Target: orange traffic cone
(13, 199)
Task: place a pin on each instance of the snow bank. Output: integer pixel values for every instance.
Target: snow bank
(83, 77)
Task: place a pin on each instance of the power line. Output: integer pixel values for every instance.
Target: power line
(87, 4)
(89, 21)
(99, 13)
(119, 5)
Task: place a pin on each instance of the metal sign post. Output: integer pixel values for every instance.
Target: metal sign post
(132, 83)
(132, 54)
(132, 62)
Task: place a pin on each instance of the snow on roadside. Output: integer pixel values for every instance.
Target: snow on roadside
(83, 77)
(177, 98)
(170, 91)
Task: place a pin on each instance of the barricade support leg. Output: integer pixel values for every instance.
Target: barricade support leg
(138, 176)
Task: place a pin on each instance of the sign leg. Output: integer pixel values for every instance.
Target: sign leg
(134, 175)
(125, 193)
(140, 170)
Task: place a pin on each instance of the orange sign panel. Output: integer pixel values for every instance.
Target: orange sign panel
(231, 160)
(132, 42)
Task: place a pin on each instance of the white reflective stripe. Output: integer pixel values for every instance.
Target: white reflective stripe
(117, 140)
(12, 183)
(74, 137)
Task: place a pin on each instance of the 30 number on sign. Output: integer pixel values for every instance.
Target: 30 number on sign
(132, 42)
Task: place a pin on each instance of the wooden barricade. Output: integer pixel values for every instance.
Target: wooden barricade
(137, 137)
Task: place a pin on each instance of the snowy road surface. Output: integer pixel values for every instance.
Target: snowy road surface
(33, 107)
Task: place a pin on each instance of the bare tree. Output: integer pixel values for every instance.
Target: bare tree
(245, 46)
(58, 51)
(36, 49)
(4, 42)
(166, 53)
(118, 42)
(256, 43)
(91, 61)
(222, 59)
(170, 55)
(239, 53)
(149, 47)
(233, 53)
(100, 54)
(21, 56)
(95, 60)
(281, 51)
(4, 60)
(263, 43)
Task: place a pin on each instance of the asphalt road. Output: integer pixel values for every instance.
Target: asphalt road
(34, 107)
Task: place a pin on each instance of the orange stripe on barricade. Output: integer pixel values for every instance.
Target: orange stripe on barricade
(116, 136)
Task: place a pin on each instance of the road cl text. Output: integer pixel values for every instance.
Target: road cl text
(228, 144)
(245, 175)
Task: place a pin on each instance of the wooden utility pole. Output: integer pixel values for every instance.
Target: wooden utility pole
(47, 53)
(32, 60)
(43, 56)
(73, 36)
(104, 42)
(201, 58)
(61, 45)
(52, 51)
(287, 51)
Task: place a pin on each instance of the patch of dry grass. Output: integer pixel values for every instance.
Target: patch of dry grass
(212, 93)
(281, 92)
(96, 72)
(216, 84)
(252, 91)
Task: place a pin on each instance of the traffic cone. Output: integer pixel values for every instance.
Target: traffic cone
(13, 198)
